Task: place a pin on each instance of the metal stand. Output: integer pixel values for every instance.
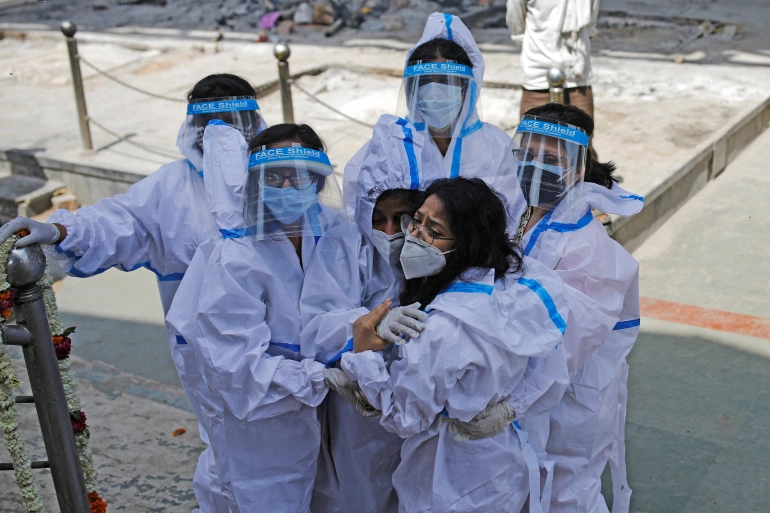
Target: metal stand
(25, 267)
(68, 29)
(556, 80)
(282, 53)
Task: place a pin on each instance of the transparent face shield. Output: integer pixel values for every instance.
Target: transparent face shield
(549, 159)
(290, 191)
(438, 96)
(240, 112)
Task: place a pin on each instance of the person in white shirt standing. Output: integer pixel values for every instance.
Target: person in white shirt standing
(554, 33)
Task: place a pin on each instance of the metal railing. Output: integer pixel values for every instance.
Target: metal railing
(25, 267)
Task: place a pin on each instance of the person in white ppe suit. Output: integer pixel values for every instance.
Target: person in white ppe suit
(489, 312)
(585, 431)
(157, 225)
(441, 98)
(238, 309)
(352, 273)
(554, 33)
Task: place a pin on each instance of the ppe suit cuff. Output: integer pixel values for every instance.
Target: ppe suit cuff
(304, 380)
(369, 370)
(69, 247)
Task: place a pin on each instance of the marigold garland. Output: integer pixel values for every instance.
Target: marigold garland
(9, 416)
(9, 419)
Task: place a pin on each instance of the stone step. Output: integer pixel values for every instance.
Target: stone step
(25, 196)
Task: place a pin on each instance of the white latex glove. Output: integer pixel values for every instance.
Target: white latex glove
(39, 233)
(401, 319)
(338, 381)
(489, 422)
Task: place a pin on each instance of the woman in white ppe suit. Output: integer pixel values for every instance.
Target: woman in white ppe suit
(238, 309)
(350, 274)
(489, 312)
(557, 228)
(157, 224)
(441, 102)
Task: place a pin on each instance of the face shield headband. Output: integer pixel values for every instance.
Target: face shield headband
(240, 112)
(550, 159)
(285, 187)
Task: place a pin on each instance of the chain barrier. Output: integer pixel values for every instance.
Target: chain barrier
(145, 147)
(318, 100)
(129, 86)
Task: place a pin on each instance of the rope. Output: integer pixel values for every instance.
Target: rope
(331, 108)
(124, 84)
(144, 147)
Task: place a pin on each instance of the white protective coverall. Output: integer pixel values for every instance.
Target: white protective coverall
(478, 339)
(157, 224)
(477, 148)
(602, 279)
(238, 308)
(555, 33)
(346, 279)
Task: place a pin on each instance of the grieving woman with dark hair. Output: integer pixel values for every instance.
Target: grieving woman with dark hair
(238, 312)
(439, 107)
(489, 311)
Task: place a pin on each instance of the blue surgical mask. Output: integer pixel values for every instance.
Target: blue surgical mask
(439, 104)
(287, 205)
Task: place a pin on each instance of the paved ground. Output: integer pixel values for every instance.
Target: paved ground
(699, 398)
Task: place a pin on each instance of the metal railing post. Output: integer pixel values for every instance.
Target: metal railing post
(556, 80)
(25, 267)
(282, 53)
(68, 29)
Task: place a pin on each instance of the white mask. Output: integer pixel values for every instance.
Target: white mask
(389, 246)
(420, 259)
(439, 104)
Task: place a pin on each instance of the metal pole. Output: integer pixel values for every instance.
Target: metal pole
(282, 52)
(25, 267)
(68, 29)
(556, 80)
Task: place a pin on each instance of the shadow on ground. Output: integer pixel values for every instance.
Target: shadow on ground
(697, 429)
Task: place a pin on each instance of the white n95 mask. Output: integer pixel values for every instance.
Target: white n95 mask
(439, 104)
(389, 246)
(419, 259)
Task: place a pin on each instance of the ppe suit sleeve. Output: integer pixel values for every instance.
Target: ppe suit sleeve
(516, 16)
(444, 368)
(597, 272)
(332, 297)
(232, 337)
(118, 231)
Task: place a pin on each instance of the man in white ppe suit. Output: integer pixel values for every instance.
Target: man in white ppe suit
(554, 33)
(238, 309)
(351, 273)
(585, 431)
(157, 224)
(437, 95)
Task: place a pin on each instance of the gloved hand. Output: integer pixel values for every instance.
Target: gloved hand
(39, 233)
(489, 422)
(402, 319)
(338, 381)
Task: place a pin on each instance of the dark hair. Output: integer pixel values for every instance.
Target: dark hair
(596, 172)
(440, 48)
(284, 132)
(478, 219)
(219, 85)
(412, 198)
